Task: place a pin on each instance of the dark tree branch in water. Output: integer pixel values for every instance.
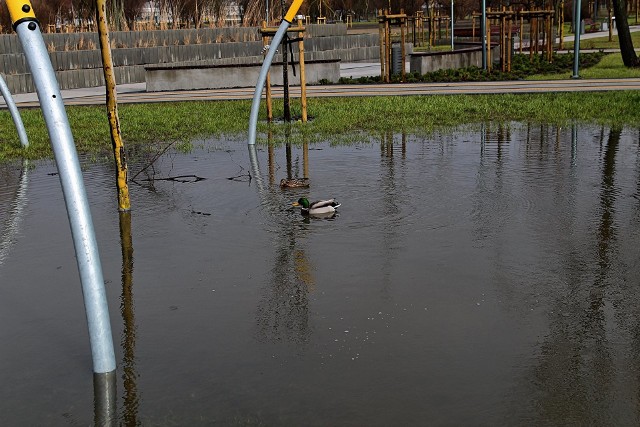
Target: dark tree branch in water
(179, 178)
(153, 160)
(245, 177)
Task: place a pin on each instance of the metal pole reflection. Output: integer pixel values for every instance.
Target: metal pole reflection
(16, 214)
(574, 144)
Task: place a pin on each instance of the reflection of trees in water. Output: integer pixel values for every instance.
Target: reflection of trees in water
(283, 312)
(490, 190)
(575, 377)
(390, 189)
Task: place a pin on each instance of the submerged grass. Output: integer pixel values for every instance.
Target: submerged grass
(339, 120)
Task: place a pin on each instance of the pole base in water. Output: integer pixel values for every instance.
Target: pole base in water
(104, 399)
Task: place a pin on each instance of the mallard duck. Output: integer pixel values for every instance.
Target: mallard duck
(294, 183)
(321, 207)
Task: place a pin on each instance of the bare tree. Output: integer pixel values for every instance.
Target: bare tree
(132, 10)
(629, 56)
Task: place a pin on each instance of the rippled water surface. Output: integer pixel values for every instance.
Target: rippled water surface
(485, 277)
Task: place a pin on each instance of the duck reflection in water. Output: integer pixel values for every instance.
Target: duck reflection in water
(294, 183)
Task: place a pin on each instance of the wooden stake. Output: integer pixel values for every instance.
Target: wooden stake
(303, 79)
(124, 202)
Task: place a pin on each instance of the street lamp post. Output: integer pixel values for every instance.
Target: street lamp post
(577, 28)
(451, 24)
(483, 29)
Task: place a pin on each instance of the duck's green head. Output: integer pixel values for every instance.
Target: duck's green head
(302, 201)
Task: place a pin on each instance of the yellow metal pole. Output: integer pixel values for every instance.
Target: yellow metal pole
(20, 11)
(124, 203)
(303, 78)
(293, 9)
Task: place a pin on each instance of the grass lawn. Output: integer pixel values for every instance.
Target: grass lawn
(604, 43)
(341, 120)
(610, 67)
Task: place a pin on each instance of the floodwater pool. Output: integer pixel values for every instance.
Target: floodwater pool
(487, 276)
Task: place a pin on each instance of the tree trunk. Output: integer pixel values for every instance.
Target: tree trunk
(629, 57)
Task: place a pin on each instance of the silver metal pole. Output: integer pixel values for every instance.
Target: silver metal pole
(576, 41)
(75, 197)
(483, 29)
(15, 115)
(451, 24)
(255, 105)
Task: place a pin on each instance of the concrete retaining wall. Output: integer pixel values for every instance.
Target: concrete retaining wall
(229, 76)
(426, 62)
(9, 43)
(83, 68)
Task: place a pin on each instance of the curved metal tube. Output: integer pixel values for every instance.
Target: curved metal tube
(255, 105)
(75, 195)
(11, 105)
(277, 38)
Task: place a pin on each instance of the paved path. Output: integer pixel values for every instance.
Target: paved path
(136, 93)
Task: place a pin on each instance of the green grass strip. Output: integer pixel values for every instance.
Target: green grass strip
(340, 120)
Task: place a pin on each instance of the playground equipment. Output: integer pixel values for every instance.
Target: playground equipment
(385, 21)
(28, 29)
(15, 115)
(277, 38)
(267, 33)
